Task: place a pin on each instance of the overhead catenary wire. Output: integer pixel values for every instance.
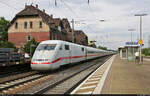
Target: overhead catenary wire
(89, 28)
(9, 5)
(67, 6)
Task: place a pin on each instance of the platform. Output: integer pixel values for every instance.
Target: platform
(118, 76)
(127, 77)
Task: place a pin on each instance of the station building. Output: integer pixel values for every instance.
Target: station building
(32, 22)
(128, 51)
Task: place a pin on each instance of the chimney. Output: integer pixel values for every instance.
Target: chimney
(44, 10)
(25, 5)
(36, 6)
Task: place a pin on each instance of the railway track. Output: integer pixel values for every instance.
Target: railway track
(14, 70)
(13, 86)
(19, 86)
(55, 87)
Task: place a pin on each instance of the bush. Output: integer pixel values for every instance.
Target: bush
(27, 46)
(6, 44)
(103, 48)
(146, 51)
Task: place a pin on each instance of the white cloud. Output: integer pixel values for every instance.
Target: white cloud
(119, 16)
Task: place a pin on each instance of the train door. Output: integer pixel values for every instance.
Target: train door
(67, 54)
(85, 53)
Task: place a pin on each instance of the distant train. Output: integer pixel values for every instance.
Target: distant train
(52, 54)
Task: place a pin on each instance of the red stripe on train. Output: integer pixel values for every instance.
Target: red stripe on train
(40, 63)
(61, 58)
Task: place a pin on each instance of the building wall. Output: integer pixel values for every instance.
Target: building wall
(81, 38)
(19, 39)
(19, 36)
(35, 20)
(69, 36)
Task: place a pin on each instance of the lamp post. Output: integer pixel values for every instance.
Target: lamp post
(131, 33)
(140, 15)
(73, 41)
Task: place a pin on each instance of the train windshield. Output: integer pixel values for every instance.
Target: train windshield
(46, 47)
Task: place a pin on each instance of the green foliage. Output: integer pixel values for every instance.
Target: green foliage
(3, 29)
(7, 44)
(93, 45)
(146, 51)
(27, 46)
(103, 48)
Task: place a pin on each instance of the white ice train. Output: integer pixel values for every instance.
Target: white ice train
(52, 54)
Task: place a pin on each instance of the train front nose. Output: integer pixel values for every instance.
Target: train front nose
(41, 60)
(41, 66)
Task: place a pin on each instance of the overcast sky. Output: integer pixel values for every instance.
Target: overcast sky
(118, 16)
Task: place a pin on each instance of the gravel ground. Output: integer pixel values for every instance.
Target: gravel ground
(62, 88)
(63, 74)
(13, 70)
(17, 76)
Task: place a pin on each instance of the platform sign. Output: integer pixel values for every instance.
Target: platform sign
(140, 42)
(131, 43)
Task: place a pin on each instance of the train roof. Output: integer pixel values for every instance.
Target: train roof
(51, 41)
(61, 41)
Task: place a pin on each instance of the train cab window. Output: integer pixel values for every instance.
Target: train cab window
(66, 47)
(46, 47)
(82, 49)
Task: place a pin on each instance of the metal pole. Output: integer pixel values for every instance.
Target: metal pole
(30, 51)
(140, 36)
(131, 45)
(140, 32)
(73, 31)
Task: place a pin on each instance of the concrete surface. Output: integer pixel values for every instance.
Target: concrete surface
(126, 77)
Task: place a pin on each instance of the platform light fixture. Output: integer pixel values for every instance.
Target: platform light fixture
(140, 15)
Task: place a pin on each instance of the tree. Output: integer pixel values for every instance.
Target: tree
(103, 48)
(6, 44)
(3, 29)
(146, 51)
(27, 46)
(93, 45)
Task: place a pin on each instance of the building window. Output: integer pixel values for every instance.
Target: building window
(16, 25)
(40, 24)
(25, 25)
(31, 24)
(28, 38)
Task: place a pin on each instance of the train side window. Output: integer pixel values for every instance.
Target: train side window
(66, 47)
(82, 49)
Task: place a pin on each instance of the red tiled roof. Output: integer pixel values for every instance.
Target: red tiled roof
(33, 11)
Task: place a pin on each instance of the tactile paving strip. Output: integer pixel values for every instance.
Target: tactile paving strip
(92, 83)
